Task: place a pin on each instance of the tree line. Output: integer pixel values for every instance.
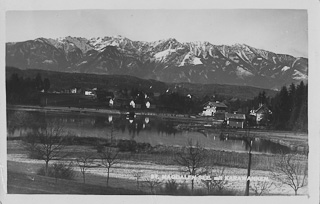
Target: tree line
(21, 90)
(289, 108)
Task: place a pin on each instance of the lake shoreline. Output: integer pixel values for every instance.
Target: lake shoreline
(293, 140)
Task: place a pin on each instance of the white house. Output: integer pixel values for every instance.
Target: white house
(74, 90)
(260, 113)
(148, 104)
(88, 93)
(111, 102)
(211, 108)
(132, 104)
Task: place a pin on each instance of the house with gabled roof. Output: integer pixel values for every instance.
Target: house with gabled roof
(261, 113)
(235, 120)
(211, 108)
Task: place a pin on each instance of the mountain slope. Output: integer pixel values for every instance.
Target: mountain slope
(59, 81)
(164, 60)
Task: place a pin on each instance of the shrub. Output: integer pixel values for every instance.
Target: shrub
(127, 145)
(32, 154)
(224, 192)
(30, 142)
(171, 187)
(199, 192)
(100, 147)
(58, 170)
(143, 147)
(133, 146)
(183, 189)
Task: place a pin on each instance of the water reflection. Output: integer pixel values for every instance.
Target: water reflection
(110, 118)
(153, 130)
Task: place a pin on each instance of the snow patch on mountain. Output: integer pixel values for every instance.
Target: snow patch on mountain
(161, 56)
(114, 43)
(196, 60)
(84, 62)
(186, 57)
(190, 59)
(97, 43)
(240, 72)
(297, 75)
(285, 68)
(48, 62)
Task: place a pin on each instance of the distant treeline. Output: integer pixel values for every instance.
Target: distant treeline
(21, 90)
(62, 81)
(288, 107)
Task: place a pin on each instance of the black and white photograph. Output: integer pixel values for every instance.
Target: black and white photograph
(200, 102)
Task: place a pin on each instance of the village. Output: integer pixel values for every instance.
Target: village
(152, 103)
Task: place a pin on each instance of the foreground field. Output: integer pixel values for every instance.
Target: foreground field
(21, 183)
(22, 176)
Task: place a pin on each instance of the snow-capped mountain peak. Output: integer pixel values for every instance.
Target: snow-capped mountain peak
(166, 60)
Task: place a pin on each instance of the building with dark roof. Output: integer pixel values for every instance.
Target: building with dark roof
(235, 120)
(261, 113)
(211, 108)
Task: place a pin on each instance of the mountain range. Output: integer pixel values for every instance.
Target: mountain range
(164, 60)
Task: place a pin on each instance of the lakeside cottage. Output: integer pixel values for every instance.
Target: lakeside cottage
(261, 113)
(89, 93)
(132, 104)
(235, 120)
(211, 108)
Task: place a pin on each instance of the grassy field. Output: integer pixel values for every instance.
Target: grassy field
(23, 178)
(21, 183)
(164, 155)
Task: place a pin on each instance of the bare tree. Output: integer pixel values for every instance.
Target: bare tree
(219, 184)
(261, 187)
(192, 158)
(152, 183)
(84, 161)
(108, 159)
(208, 184)
(47, 143)
(217, 180)
(171, 187)
(138, 175)
(18, 120)
(291, 171)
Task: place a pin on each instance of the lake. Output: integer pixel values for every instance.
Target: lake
(149, 129)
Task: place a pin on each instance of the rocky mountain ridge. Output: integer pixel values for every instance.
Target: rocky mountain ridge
(165, 60)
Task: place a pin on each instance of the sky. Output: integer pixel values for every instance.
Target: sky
(283, 31)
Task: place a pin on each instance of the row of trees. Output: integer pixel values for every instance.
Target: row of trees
(21, 90)
(290, 108)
